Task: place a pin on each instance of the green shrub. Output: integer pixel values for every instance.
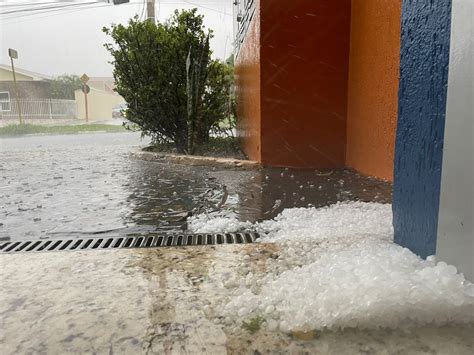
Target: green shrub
(174, 91)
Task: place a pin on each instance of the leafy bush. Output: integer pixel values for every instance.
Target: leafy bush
(174, 91)
(63, 86)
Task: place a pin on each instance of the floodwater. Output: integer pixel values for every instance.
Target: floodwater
(90, 185)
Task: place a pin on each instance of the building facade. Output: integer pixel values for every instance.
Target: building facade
(381, 86)
(30, 84)
(102, 100)
(317, 82)
(32, 95)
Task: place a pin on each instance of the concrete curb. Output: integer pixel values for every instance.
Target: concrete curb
(197, 160)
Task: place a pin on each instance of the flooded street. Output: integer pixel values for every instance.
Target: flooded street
(88, 184)
(53, 186)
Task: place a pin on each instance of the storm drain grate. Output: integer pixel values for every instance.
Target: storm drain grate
(126, 242)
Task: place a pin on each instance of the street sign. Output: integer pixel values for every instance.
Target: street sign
(84, 78)
(12, 53)
(86, 89)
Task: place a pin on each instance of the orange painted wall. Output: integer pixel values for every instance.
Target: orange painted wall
(247, 79)
(373, 86)
(304, 73)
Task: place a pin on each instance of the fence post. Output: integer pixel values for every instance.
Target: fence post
(50, 109)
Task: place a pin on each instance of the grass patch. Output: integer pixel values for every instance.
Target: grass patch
(253, 325)
(223, 147)
(19, 130)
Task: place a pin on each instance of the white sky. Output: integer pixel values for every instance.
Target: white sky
(71, 40)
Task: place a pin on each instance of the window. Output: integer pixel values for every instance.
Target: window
(5, 101)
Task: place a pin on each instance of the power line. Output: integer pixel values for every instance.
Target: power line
(198, 5)
(21, 4)
(208, 8)
(60, 10)
(142, 12)
(34, 16)
(55, 13)
(44, 8)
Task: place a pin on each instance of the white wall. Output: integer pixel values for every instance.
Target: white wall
(455, 242)
(100, 104)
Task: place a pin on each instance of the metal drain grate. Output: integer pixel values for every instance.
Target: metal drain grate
(127, 242)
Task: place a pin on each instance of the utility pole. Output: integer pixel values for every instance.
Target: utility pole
(85, 89)
(13, 54)
(150, 7)
(150, 10)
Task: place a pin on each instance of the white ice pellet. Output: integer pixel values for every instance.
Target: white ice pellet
(241, 312)
(338, 268)
(469, 290)
(272, 324)
(217, 222)
(269, 309)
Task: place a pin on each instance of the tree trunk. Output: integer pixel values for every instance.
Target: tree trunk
(196, 72)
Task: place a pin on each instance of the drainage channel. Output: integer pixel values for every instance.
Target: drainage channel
(126, 242)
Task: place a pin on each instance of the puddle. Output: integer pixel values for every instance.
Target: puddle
(89, 185)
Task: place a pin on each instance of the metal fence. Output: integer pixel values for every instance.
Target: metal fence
(38, 109)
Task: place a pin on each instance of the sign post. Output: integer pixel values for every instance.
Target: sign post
(150, 10)
(13, 54)
(85, 89)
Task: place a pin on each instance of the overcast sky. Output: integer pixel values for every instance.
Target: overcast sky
(70, 40)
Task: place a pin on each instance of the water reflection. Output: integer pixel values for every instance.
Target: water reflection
(175, 314)
(288, 188)
(56, 186)
(161, 195)
(177, 191)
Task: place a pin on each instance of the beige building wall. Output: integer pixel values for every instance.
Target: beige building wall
(6, 75)
(100, 104)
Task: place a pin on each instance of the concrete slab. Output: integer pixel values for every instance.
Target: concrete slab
(167, 301)
(197, 160)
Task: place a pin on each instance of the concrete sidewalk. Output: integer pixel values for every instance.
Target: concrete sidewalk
(166, 301)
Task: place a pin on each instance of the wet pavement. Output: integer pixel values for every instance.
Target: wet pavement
(90, 185)
(168, 301)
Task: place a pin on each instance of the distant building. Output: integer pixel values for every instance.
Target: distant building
(103, 83)
(37, 104)
(102, 99)
(21, 74)
(30, 85)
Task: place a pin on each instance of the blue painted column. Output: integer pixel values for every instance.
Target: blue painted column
(424, 61)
